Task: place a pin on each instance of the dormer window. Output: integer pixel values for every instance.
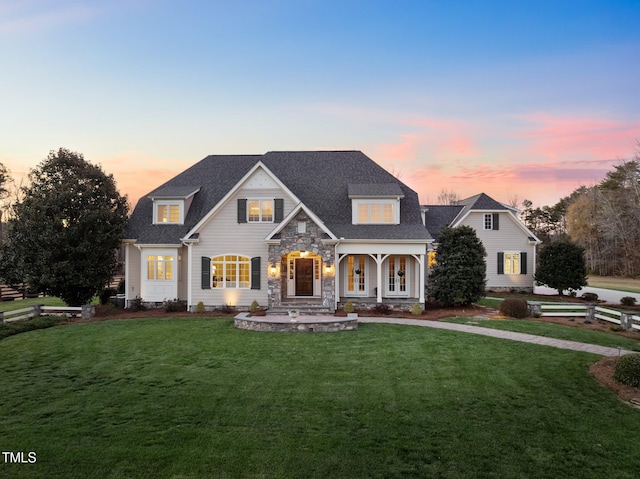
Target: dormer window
(169, 213)
(171, 204)
(166, 212)
(377, 212)
(375, 204)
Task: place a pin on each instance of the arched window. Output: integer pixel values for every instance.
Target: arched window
(231, 271)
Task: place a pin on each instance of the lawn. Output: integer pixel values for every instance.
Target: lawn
(195, 398)
(25, 303)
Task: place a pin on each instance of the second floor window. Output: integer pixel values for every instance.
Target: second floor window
(260, 211)
(376, 213)
(168, 213)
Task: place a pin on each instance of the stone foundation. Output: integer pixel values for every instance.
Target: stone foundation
(397, 304)
(327, 324)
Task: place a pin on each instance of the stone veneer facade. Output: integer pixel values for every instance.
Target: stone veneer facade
(311, 240)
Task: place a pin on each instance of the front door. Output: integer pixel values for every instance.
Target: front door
(304, 277)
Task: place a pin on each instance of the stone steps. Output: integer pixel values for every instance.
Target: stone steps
(302, 308)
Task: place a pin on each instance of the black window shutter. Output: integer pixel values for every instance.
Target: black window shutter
(496, 221)
(206, 273)
(278, 210)
(242, 210)
(255, 272)
(500, 263)
(523, 262)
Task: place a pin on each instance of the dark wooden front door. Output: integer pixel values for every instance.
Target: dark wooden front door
(304, 277)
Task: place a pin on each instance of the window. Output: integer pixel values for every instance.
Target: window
(397, 276)
(512, 262)
(356, 274)
(160, 268)
(260, 211)
(432, 259)
(376, 212)
(231, 271)
(168, 213)
(491, 221)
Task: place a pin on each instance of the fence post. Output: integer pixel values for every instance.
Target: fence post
(534, 309)
(37, 310)
(88, 311)
(626, 320)
(1, 317)
(591, 313)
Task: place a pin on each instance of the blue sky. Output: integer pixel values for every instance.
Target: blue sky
(519, 99)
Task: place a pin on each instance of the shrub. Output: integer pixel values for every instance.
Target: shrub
(590, 296)
(416, 310)
(255, 306)
(628, 370)
(628, 301)
(348, 307)
(137, 304)
(514, 308)
(106, 294)
(200, 307)
(228, 309)
(121, 286)
(175, 306)
(382, 308)
(22, 326)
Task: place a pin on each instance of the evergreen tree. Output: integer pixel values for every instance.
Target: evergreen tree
(64, 233)
(459, 276)
(561, 266)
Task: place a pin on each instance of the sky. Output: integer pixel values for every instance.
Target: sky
(520, 99)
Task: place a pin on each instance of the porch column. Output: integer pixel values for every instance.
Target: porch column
(379, 261)
(421, 261)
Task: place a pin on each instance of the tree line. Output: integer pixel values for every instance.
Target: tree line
(604, 219)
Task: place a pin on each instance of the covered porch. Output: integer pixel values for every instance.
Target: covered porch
(387, 273)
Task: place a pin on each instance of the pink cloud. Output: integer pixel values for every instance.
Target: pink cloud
(574, 137)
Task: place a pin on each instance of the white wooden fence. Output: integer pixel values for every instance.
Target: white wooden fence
(86, 311)
(627, 320)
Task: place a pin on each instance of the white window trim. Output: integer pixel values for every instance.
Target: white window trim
(355, 203)
(156, 203)
(273, 210)
(517, 267)
(356, 277)
(222, 283)
(164, 262)
(484, 221)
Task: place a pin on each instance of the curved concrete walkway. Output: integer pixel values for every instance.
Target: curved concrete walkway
(497, 333)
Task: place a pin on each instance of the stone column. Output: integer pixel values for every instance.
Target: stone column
(535, 309)
(88, 311)
(626, 320)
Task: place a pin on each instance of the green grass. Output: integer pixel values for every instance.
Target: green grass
(195, 398)
(25, 303)
(558, 331)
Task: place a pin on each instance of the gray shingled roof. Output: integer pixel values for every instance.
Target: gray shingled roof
(358, 190)
(438, 216)
(319, 178)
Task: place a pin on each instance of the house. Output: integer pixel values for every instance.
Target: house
(309, 229)
(510, 245)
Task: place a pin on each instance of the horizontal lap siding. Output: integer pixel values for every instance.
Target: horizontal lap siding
(510, 237)
(223, 235)
(132, 282)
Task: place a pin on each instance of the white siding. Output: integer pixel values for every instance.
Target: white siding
(132, 282)
(223, 235)
(510, 237)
